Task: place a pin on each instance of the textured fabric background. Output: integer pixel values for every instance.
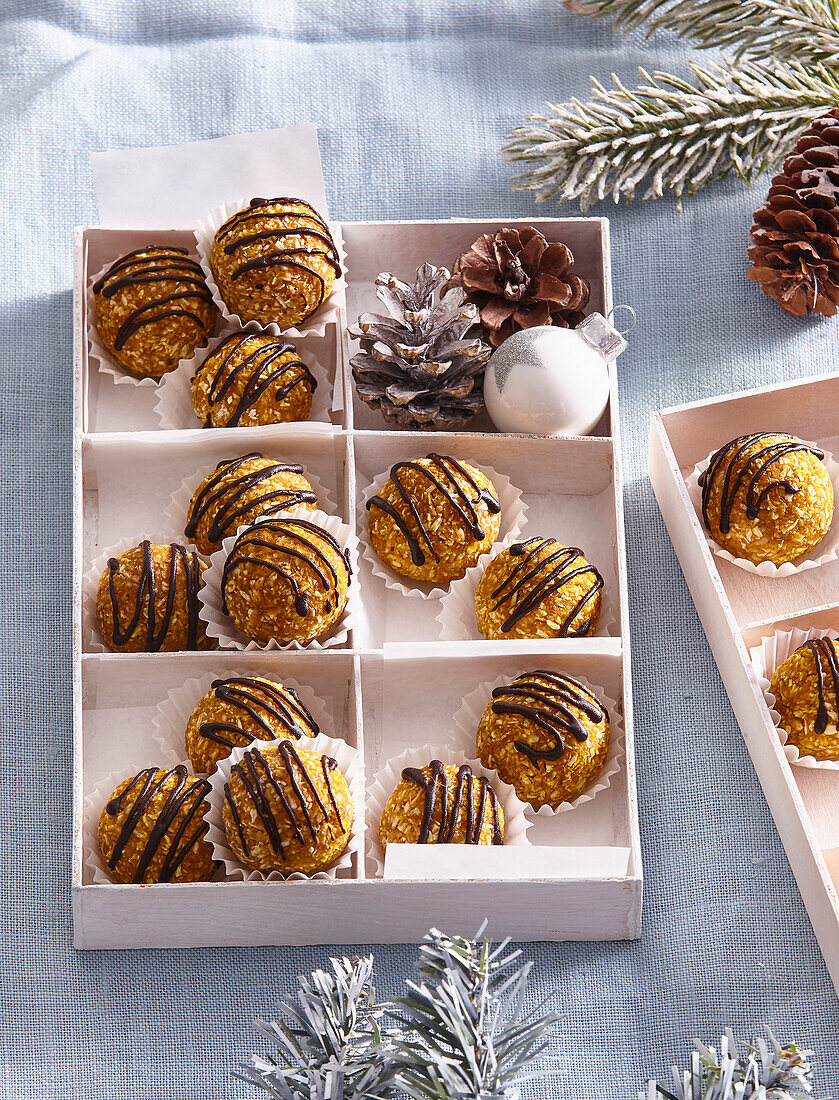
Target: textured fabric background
(412, 100)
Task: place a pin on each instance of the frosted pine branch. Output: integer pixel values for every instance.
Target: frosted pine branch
(758, 1071)
(331, 1045)
(800, 30)
(469, 1035)
(668, 134)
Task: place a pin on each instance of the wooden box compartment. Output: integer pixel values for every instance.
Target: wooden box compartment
(738, 609)
(394, 684)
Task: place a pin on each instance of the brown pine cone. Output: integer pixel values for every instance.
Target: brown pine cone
(795, 249)
(518, 280)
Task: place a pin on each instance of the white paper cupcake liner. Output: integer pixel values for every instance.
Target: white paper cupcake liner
(178, 508)
(96, 350)
(94, 804)
(328, 312)
(766, 658)
(92, 639)
(459, 621)
(175, 410)
(513, 514)
(173, 713)
(827, 550)
(467, 719)
(349, 762)
(386, 780)
(222, 628)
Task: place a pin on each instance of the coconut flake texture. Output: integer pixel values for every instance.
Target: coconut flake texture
(467, 719)
(459, 621)
(327, 313)
(386, 780)
(827, 550)
(178, 509)
(222, 628)
(96, 870)
(769, 655)
(513, 517)
(349, 763)
(174, 712)
(173, 403)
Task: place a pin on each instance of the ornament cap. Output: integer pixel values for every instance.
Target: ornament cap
(596, 330)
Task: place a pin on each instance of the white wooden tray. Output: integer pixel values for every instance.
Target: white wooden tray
(394, 684)
(738, 609)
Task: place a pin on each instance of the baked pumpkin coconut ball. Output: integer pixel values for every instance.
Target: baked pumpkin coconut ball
(539, 588)
(252, 378)
(240, 710)
(147, 600)
(287, 809)
(546, 735)
(806, 687)
(434, 518)
(274, 262)
(767, 497)
(442, 804)
(285, 580)
(154, 308)
(240, 490)
(152, 828)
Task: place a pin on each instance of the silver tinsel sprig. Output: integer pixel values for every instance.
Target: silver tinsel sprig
(332, 1046)
(469, 1036)
(758, 1071)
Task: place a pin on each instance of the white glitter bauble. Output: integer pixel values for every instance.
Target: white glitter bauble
(552, 381)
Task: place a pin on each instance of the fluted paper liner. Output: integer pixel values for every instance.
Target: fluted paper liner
(513, 513)
(769, 655)
(459, 621)
(174, 712)
(328, 312)
(94, 804)
(99, 354)
(349, 762)
(91, 637)
(221, 626)
(462, 736)
(174, 406)
(825, 551)
(386, 780)
(178, 508)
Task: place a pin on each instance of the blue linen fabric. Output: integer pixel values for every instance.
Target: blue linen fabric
(412, 100)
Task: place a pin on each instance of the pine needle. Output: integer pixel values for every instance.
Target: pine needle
(783, 30)
(468, 1034)
(760, 1070)
(668, 134)
(331, 1046)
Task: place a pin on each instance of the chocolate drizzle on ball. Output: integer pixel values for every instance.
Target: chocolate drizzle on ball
(442, 476)
(274, 534)
(267, 705)
(146, 595)
(545, 577)
(755, 466)
(824, 649)
(154, 265)
(182, 790)
(259, 781)
(260, 370)
(549, 706)
(315, 233)
(438, 792)
(222, 495)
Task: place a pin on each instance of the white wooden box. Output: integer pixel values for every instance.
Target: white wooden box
(738, 609)
(394, 684)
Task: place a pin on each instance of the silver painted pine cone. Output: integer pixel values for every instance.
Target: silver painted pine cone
(416, 364)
